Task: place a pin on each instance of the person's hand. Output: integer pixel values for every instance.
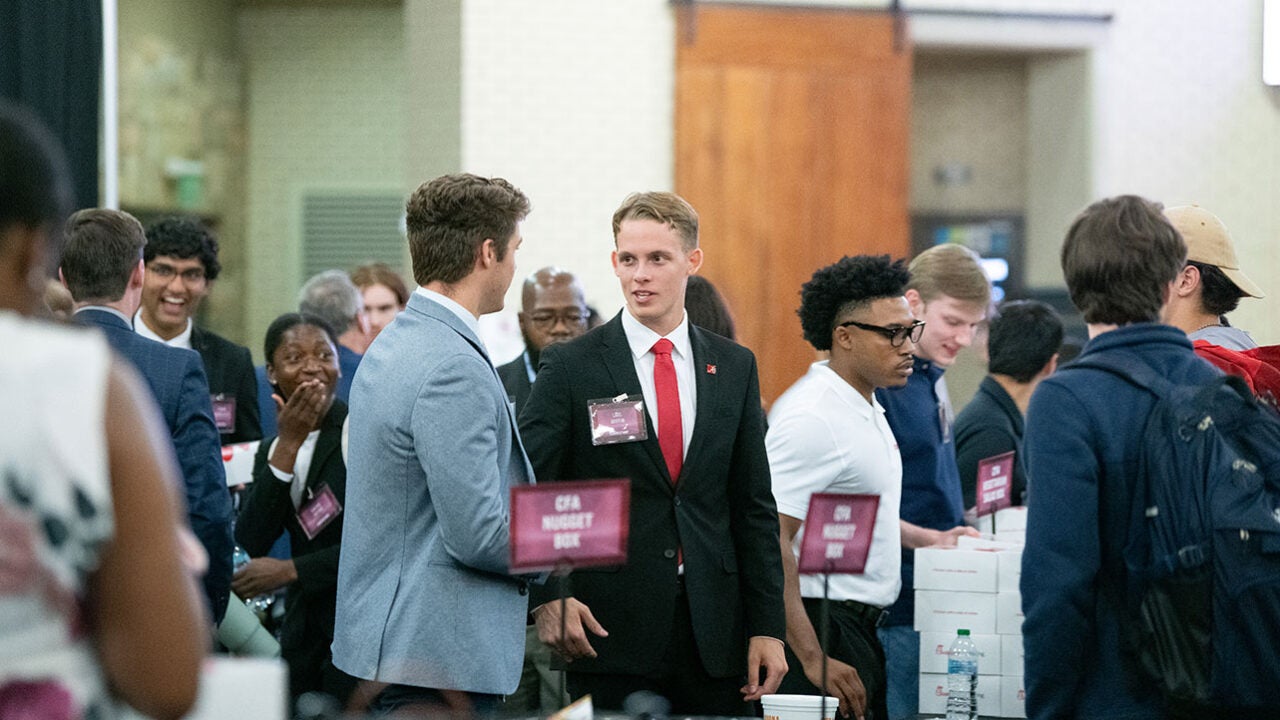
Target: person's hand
(302, 412)
(768, 653)
(843, 682)
(947, 538)
(578, 620)
(262, 575)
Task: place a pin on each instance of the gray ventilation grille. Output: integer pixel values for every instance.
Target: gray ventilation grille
(346, 230)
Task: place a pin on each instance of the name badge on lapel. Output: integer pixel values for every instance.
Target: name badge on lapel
(224, 412)
(617, 420)
(318, 510)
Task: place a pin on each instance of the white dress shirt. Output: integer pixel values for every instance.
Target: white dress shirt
(301, 466)
(452, 306)
(641, 340)
(182, 339)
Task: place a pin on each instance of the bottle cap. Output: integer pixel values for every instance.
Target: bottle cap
(962, 632)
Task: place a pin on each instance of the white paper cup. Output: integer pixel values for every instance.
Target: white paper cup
(798, 707)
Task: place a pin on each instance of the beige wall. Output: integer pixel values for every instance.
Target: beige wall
(326, 89)
(969, 110)
(181, 96)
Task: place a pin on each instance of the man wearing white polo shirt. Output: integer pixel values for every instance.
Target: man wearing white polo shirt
(828, 434)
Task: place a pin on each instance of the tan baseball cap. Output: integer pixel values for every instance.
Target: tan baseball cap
(1209, 242)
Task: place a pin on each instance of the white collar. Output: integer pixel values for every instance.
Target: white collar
(641, 338)
(454, 307)
(843, 390)
(106, 309)
(182, 339)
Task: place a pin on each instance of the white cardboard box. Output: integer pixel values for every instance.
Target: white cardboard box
(237, 461)
(1015, 537)
(934, 647)
(243, 688)
(947, 611)
(1011, 657)
(933, 694)
(1011, 518)
(986, 542)
(1009, 613)
(1009, 570)
(955, 569)
(1013, 697)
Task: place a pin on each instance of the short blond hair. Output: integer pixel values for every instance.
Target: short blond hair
(951, 270)
(664, 207)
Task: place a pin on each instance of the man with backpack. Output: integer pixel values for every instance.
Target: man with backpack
(1084, 446)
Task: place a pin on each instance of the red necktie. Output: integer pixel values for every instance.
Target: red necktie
(670, 428)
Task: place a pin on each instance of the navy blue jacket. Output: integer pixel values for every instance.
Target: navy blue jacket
(930, 478)
(178, 384)
(1084, 430)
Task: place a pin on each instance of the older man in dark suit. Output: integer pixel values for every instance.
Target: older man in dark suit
(552, 310)
(102, 267)
(696, 614)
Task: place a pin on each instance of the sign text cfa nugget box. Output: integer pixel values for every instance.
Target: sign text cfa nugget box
(947, 611)
(934, 648)
(954, 569)
(1011, 655)
(933, 694)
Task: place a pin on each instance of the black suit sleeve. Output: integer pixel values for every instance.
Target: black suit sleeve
(248, 424)
(265, 508)
(195, 441)
(546, 430)
(755, 521)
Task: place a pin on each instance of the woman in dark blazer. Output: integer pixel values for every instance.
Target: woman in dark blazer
(299, 484)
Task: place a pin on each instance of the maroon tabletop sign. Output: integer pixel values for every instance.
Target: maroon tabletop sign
(995, 483)
(569, 524)
(837, 533)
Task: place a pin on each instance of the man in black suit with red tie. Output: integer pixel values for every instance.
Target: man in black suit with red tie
(696, 614)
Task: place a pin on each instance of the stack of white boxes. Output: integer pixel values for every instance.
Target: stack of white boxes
(974, 586)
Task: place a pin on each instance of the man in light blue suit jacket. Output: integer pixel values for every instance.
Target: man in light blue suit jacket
(425, 601)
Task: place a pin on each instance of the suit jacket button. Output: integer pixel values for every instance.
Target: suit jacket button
(677, 502)
(668, 554)
(524, 588)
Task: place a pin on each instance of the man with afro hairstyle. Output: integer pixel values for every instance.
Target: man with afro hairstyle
(828, 433)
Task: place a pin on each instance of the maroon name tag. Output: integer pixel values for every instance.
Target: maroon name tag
(617, 420)
(224, 412)
(995, 479)
(837, 533)
(569, 525)
(318, 510)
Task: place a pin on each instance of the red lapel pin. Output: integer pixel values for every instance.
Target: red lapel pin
(711, 369)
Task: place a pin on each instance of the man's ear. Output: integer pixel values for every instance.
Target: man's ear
(695, 260)
(138, 274)
(487, 254)
(1049, 367)
(1188, 280)
(915, 302)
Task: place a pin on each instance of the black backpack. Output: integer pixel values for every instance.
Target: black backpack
(1203, 552)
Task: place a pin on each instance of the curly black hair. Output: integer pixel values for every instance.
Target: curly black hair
(844, 285)
(183, 237)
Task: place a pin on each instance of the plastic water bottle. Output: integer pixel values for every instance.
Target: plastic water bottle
(259, 604)
(962, 678)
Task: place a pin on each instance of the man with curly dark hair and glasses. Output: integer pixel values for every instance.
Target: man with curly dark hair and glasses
(828, 434)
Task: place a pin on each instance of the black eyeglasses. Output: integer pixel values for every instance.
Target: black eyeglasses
(547, 319)
(896, 335)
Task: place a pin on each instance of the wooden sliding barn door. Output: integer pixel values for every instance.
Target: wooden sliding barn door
(791, 142)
